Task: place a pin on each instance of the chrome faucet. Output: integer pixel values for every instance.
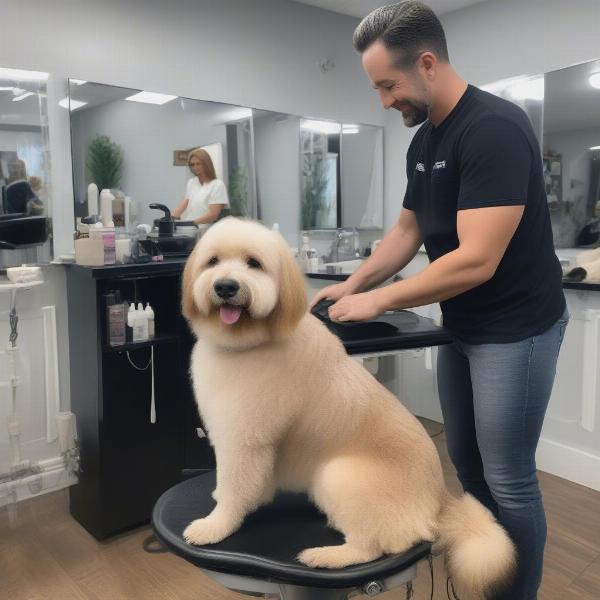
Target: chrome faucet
(345, 245)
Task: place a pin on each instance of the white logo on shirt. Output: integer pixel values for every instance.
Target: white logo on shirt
(441, 164)
(420, 167)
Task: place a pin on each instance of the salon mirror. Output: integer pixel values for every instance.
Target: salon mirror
(136, 143)
(24, 167)
(572, 154)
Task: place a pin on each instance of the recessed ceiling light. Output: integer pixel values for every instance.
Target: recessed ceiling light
(77, 81)
(151, 98)
(22, 97)
(595, 80)
(73, 104)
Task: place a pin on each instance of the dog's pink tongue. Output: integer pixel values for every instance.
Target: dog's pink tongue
(230, 314)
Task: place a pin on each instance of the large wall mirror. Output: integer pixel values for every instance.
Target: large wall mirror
(341, 175)
(572, 154)
(137, 143)
(564, 109)
(299, 173)
(25, 184)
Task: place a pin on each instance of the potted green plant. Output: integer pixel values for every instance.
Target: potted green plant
(105, 162)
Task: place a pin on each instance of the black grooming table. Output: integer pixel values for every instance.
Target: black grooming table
(400, 330)
(266, 545)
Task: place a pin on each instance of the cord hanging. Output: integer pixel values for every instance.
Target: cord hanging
(140, 368)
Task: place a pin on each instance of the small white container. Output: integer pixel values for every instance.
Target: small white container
(150, 316)
(106, 200)
(122, 248)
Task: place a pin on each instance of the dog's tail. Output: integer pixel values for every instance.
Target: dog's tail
(480, 557)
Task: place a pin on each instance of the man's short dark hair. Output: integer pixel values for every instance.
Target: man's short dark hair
(406, 29)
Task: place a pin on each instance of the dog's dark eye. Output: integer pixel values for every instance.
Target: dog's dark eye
(213, 261)
(253, 263)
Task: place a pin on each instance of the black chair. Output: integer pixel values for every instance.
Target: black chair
(260, 558)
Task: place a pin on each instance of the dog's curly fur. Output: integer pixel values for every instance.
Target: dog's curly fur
(286, 408)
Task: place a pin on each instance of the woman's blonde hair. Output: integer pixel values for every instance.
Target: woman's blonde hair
(205, 161)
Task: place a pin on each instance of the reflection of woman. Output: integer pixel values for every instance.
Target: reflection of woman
(20, 198)
(205, 195)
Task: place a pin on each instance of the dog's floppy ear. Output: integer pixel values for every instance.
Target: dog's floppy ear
(292, 302)
(188, 306)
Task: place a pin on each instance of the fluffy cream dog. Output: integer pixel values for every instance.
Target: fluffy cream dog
(286, 408)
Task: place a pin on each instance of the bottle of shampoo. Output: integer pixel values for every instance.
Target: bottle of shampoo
(150, 316)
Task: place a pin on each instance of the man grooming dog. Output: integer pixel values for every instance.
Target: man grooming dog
(475, 197)
(286, 408)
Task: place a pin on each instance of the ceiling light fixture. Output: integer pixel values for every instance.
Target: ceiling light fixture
(22, 96)
(151, 98)
(594, 80)
(73, 104)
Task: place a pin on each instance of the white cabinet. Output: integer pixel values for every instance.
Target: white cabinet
(570, 442)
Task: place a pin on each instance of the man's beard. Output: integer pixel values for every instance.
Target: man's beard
(414, 114)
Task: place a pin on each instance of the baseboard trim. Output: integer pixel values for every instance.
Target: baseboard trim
(54, 477)
(569, 463)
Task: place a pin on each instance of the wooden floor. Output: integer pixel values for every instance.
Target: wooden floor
(46, 555)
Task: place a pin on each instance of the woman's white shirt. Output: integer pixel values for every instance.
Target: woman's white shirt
(201, 195)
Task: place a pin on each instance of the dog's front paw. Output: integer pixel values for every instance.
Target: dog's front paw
(206, 531)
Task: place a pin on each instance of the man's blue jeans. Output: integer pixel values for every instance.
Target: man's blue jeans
(494, 398)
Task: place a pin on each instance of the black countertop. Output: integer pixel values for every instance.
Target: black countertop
(168, 265)
(400, 330)
(175, 265)
(568, 285)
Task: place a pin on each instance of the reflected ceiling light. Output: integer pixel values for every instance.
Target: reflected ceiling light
(22, 75)
(77, 81)
(6, 88)
(22, 97)
(151, 98)
(74, 104)
(595, 80)
(594, 147)
(237, 114)
(321, 126)
(350, 128)
(522, 87)
(529, 89)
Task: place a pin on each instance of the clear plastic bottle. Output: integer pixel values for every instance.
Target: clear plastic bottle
(304, 253)
(150, 317)
(140, 324)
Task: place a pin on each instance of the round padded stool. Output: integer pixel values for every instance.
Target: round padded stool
(260, 558)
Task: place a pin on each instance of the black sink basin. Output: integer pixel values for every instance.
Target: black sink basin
(17, 230)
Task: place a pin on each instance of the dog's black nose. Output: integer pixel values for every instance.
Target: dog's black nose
(226, 288)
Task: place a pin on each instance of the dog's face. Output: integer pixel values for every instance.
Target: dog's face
(241, 286)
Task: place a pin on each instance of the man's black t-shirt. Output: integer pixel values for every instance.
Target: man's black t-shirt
(485, 153)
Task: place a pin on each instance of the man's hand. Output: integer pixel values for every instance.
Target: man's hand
(332, 292)
(357, 307)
